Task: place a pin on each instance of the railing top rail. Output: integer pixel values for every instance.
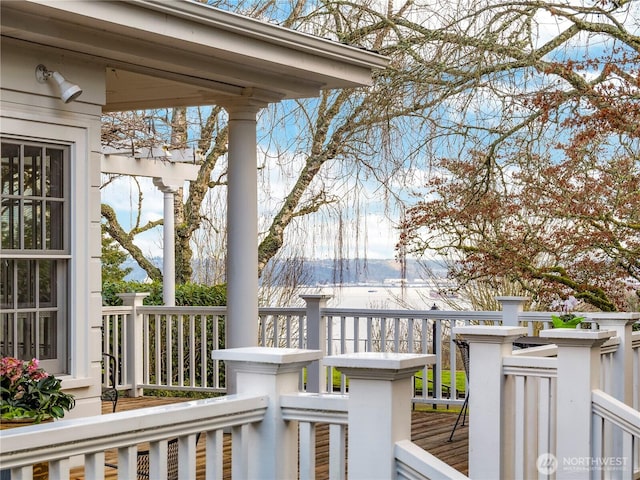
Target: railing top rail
(313, 407)
(534, 363)
(615, 411)
(315, 401)
(91, 434)
(219, 310)
(436, 314)
(116, 309)
(550, 350)
(422, 464)
(282, 310)
(611, 345)
(159, 309)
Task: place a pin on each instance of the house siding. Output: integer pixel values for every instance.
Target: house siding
(32, 110)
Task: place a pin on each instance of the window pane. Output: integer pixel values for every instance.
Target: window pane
(6, 283)
(10, 170)
(32, 170)
(47, 285)
(32, 224)
(6, 335)
(26, 336)
(54, 226)
(10, 223)
(54, 173)
(26, 283)
(47, 336)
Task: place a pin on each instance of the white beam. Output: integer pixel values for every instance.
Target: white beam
(149, 167)
(168, 177)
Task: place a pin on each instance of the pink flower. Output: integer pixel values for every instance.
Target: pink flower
(32, 366)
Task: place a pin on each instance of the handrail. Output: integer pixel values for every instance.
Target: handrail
(412, 462)
(616, 412)
(148, 309)
(550, 350)
(66, 438)
(528, 365)
(433, 314)
(312, 407)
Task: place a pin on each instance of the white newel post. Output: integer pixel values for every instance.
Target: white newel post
(621, 372)
(578, 375)
(316, 340)
(379, 408)
(268, 450)
(511, 307)
(133, 367)
(488, 345)
(621, 324)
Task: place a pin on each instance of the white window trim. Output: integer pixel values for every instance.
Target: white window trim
(78, 308)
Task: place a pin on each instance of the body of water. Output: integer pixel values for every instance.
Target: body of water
(389, 297)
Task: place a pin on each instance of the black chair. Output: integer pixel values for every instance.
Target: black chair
(463, 347)
(172, 461)
(110, 392)
(142, 462)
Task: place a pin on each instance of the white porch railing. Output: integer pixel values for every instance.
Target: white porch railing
(183, 335)
(56, 443)
(266, 418)
(543, 411)
(531, 415)
(167, 347)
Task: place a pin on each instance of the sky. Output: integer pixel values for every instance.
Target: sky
(379, 243)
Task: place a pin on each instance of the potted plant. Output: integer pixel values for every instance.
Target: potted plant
(29, 394)
(566, 319)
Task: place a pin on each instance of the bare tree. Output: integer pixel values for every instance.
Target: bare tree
(475, 80)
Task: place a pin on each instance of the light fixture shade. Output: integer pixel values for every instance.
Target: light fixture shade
(68, 91)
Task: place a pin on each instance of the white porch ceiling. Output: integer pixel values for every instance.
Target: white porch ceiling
(179, 52)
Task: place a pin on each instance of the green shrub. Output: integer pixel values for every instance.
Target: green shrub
(188, 294)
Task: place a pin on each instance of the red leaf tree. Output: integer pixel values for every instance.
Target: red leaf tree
(560, 220)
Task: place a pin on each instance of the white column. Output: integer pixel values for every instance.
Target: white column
(488, 345)
(268, 450)
(168, 241)
(578, 375)
(242, 228)
(379, 408)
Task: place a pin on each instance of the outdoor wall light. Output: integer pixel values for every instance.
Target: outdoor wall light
(68, 91)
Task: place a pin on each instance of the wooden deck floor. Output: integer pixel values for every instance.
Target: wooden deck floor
(430, 429)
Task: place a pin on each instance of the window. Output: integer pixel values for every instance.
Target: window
(34, 252)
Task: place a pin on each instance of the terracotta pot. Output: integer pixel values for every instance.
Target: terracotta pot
(40, 470)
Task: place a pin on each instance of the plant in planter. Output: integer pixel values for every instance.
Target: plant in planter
(29, 394)
(566, 319)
